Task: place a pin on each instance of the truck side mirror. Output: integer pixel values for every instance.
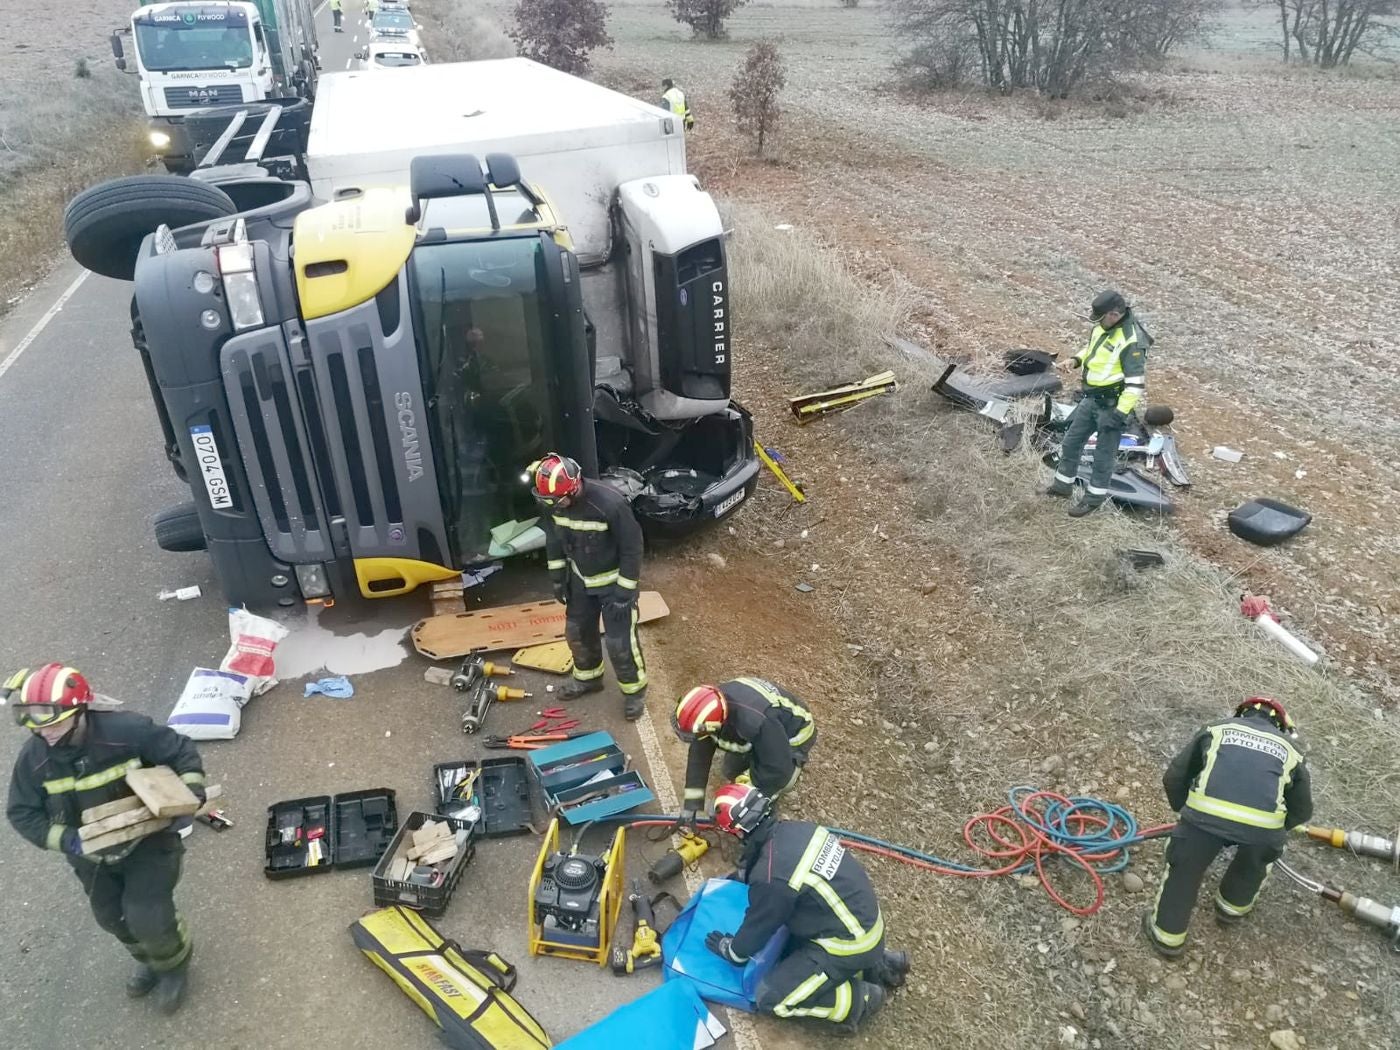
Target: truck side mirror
(121, 64)
(117, 52)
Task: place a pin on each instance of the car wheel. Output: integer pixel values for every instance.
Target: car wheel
(178, 529)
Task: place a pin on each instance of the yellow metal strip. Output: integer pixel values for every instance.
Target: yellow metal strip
(779, 473)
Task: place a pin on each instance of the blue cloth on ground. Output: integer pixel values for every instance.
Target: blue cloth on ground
(718, 905)
(671, 1016)
(338, 688)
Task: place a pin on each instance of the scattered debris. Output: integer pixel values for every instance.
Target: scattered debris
(1285, 1039)
(771, 458)
(1141, 559)
(337, 687)
(1257, 609)
(473, 577)
(1009, 437)
(182, 594)
(805, 588)
(807, 407)
(783, 226)
(717, 560)
(437, 676)
(1266, 522)
(1025, 362)
(1158, 415)
(1226, 454)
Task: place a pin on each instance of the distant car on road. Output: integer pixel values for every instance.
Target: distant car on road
(389, 53)
(395, 24)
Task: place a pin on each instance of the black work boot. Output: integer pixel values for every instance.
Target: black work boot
(1086, 505)
(892, 969)
(1226, 918)
(574, 688)
(1060, 489)
(634, 706)
(170, 989)
(141, 982)
(1166, 951)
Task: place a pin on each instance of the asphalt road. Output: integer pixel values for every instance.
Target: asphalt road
(81, 474)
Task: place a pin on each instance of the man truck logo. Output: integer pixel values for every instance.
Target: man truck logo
(719, 318)
(408, 434)
(202, 94)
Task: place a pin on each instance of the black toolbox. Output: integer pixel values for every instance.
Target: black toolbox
(502, 792)
(308, 836)
(431, 900)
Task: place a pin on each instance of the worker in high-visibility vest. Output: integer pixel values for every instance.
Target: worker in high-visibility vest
(1114, 364)
(336, 15)
(1241, 782)
(673, 100)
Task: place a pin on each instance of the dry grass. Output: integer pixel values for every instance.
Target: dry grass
(56, 139)
(453, 32)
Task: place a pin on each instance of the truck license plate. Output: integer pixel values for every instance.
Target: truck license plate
(206, 454)
(729, 504)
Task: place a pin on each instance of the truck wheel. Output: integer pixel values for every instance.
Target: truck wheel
(178, 529)
(105, 224)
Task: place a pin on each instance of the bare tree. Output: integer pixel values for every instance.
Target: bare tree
(705, 17)
(755, 93)
(1329, 33)
(560, 33)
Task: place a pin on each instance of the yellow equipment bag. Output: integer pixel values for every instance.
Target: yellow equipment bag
(467, 993)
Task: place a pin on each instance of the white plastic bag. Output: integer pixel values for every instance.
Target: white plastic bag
(210, 708)
(253, 638)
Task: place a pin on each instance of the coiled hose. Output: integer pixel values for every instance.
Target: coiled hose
(1034, 826)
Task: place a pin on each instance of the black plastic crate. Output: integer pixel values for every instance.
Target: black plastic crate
(502, 792)
(353, 829)
(431, 900)
(365, 822)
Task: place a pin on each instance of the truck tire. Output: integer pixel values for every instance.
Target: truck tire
(105, 224)
(178, 529)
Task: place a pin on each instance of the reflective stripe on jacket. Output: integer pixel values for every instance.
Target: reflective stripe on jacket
(597, 538)
(1117, 357)
(763, 719)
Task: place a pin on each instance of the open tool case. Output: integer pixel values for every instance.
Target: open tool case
(501, 792)
(307, 836)
(588, 778)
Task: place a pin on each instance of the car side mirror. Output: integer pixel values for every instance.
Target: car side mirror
(360, 55)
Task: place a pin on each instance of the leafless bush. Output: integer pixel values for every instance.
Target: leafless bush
(755, 93)
(455, 34)
(1329, 33)
(1054, 48)
(705, 17)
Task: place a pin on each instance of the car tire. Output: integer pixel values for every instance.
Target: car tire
(179, 531)
(105, 224)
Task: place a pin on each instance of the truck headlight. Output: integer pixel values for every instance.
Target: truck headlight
(159, 139)
(240, 281)
(312, 581)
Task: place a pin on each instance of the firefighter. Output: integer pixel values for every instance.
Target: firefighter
(1241, 782)
(763, 730)
(673, 101)
(835, 967)
(77, 758)
(1114, 364)
(594, 547)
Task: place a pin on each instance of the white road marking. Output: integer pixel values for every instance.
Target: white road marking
(745, 1038)
(43, 323)
(347, 62)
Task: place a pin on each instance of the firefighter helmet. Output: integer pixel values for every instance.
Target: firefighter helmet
(555, 478)
(741, 810)
(699, 713)
(1271, 709)
(47, 696)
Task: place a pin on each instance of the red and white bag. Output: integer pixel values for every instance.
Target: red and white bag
(254, 639)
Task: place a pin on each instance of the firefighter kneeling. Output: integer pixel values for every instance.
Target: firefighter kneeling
(835, 967)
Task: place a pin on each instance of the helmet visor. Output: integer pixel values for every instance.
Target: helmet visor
(37, 716)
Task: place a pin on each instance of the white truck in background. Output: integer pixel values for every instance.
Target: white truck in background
(194, 55)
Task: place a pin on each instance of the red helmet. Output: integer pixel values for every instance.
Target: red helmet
(1272, 708)
(47, 696)
(740, 809)
(699, 713)
(556, 478)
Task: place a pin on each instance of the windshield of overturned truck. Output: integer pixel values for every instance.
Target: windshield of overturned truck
(169, 43)
(484, 331)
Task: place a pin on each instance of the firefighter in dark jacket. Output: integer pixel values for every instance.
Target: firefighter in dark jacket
(1241, 782)
(594, 547)
(835, 967)
(763, 730)
(1114, 369)
(77, 758)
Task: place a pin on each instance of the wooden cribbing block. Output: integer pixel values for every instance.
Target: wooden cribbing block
(446, 851)
(120, 805)
(163, 792)
(135, 831)
(429, 833)
(125, 819)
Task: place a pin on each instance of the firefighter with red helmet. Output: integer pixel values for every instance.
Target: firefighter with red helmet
(1241, 782)
(835, 968)
(594, 547)
(77, 757)
(764, 731)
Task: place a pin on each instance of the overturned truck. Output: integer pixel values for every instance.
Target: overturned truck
(491, 260)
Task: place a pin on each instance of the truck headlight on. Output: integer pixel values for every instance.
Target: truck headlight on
(159, 139)
(240, 282)
(312, 581)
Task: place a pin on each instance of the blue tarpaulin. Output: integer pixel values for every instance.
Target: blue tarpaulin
(719, 905)
(671, 1016)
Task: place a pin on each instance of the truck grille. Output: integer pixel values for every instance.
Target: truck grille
(273, 442)
(194, 96)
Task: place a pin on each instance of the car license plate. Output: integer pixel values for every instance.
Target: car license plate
(729, 504)
(206, 455)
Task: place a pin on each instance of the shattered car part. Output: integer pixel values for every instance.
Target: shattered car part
(1169, 459)
(1024, 362)
(1141, 559)
(808, 407)
(1266, 522)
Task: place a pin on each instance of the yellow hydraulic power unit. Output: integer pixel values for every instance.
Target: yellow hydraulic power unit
(466, 993)
(575, 899)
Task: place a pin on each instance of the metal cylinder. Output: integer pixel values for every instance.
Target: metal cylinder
(1375, 846)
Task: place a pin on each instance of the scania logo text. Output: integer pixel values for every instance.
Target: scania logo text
(408, 434)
